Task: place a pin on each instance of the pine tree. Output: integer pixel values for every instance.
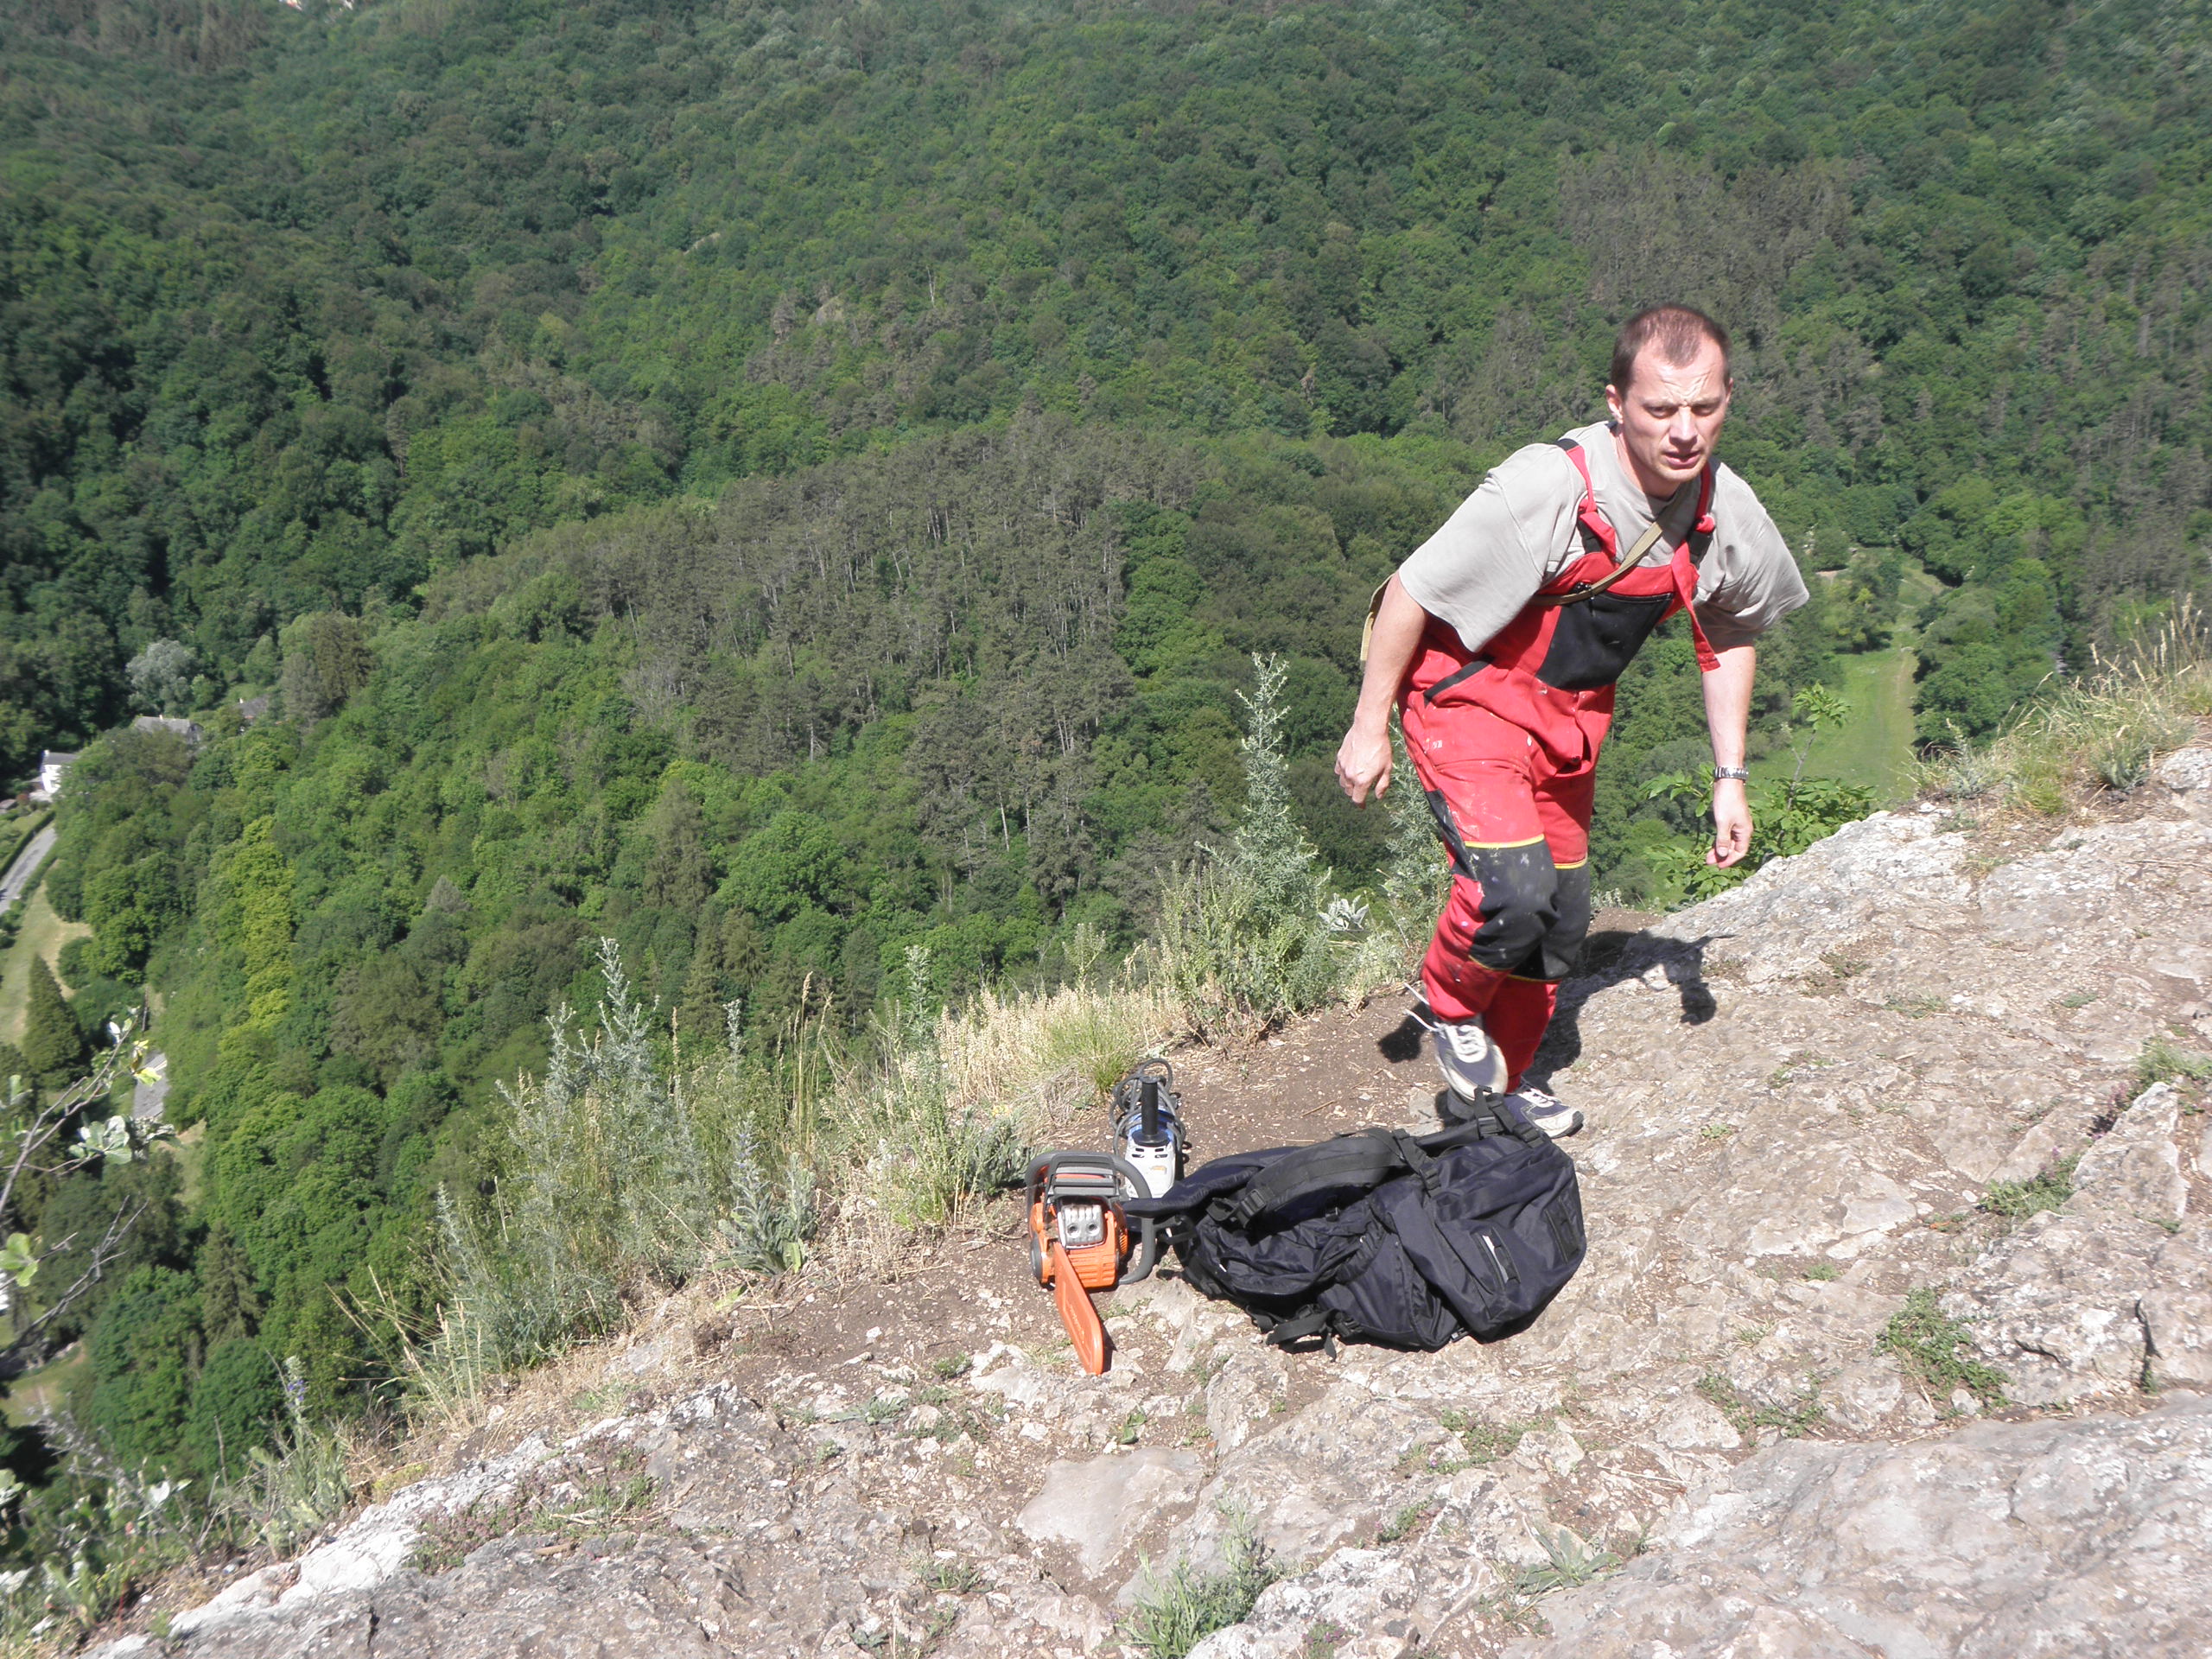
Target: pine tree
(679, 875)
(228, 1307)
(13, 1064)
(54, 1043)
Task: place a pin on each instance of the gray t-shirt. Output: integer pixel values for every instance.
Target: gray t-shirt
(1517, 531)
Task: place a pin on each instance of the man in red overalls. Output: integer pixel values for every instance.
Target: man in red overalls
(1499, 642)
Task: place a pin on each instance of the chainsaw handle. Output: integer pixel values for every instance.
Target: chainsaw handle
(1041, 1171)
(1148, 1255)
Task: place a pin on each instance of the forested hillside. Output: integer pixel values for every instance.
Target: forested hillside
(782, 486)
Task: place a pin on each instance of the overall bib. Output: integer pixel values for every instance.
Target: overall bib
(1505, 743)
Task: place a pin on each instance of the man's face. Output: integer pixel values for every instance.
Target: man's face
(1670, 416)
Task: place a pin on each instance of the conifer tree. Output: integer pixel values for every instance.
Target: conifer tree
(680, 874)
(228, 1307)
(54, 1043)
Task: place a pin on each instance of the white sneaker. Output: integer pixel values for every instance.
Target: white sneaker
(1547, 1111)
(1470, 1061)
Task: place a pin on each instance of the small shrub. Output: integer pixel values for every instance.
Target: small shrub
(1484, 1442)
(1405, 1522)
(73, 962)
(769, 1225)
(290, 1492)
(2162, 1061)
(1175, 1611)
(1568, 1564)
(2018, 1200)
(1245, 937)
(954, 1577)
(1926, 1342)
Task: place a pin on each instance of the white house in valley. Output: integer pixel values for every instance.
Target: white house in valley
(52, 768)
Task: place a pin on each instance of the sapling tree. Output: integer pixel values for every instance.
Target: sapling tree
(43, 1147)
(1788, 817)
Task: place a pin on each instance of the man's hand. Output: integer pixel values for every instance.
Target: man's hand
(1728, 713)
(1363, 761)
(1363, 757)
(1732, 822)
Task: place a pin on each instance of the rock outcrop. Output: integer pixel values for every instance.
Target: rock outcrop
(1720, 1440)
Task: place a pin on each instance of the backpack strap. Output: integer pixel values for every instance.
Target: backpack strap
(1599, 537)
(1362, 1161)
(1308, 1322)
(1357, 1161)
(1489, 1114)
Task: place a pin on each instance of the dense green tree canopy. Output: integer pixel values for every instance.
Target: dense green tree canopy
(779, 486)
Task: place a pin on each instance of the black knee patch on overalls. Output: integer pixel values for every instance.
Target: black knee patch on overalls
(1561, 950)
(1534, 914)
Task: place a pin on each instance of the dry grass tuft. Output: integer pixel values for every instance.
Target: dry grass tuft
(2102, 733)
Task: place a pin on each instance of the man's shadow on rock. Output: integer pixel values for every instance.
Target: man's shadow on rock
(1608, 959)
(1611, 958)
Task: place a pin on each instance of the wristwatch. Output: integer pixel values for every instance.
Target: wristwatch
(1738, 772)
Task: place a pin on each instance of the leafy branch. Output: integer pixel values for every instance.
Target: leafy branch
(40, 1150)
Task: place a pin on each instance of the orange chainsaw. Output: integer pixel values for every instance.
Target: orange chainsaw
(1079, 1239)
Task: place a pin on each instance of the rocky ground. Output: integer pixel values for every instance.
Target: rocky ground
(1802, 1094)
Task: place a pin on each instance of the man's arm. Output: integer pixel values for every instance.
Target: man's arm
(1728, 716)
(1363, 757)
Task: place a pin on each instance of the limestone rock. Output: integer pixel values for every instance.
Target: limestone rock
(1869, 879)
(2176, 1313)
(1798, 1094)
(2070, 1536)
(1091, 1505)
(2135, 1170)
(2064, 1306)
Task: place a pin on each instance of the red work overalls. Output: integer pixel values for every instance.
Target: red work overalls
(1505, 741)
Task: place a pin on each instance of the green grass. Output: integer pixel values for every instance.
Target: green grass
(1873, 747)
(2018, 1200)
(1747, 1416)
(1175, 1611)
(36, 1392)
(1926, 1342)
(2165, 1062)
(44, 933)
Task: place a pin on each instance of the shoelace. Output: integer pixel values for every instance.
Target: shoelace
(1467, 1039)
(1468, 1042)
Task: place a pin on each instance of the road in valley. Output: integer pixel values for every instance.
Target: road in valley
(25, 869)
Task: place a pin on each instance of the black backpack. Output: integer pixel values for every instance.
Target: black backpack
(1382, 1236)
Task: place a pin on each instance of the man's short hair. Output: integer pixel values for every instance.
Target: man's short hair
(1679, 331)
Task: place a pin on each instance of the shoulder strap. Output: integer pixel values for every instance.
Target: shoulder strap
(1350, 1162)
(1599, 537)
(1489, 1115)
(1363, 1160)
